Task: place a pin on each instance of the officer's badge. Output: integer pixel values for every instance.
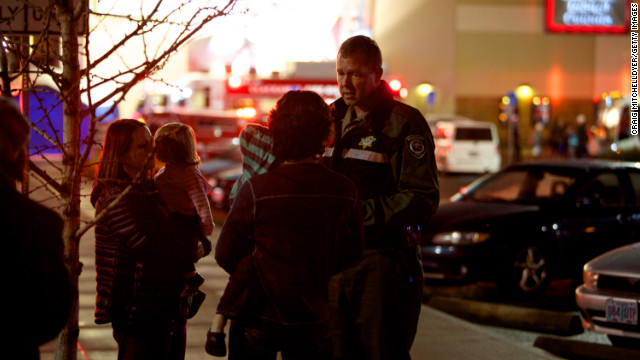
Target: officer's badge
(366, 142)
(416, 145)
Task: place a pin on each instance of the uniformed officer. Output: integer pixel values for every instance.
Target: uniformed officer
(387, 149)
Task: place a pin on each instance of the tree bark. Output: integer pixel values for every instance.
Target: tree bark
(71, 175)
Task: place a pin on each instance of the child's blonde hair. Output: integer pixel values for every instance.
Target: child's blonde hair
(176, 144)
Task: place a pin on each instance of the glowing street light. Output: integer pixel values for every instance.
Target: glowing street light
(395, 84)
(235, 81)
(524, 92)
(425, 89)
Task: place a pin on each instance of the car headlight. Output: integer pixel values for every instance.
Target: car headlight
(459, 238)
(590, 278)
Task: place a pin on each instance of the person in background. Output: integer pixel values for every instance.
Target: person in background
(288, 231)
(139, 277)
(183, 190)
(536, 142)
(36, 295)
(386, 148)
(559, 138)
(572, 141)
(582, 136)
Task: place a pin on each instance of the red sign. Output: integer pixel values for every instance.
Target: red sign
(278, 87)
(588, 16)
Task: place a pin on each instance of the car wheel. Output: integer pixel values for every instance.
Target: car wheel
(526, 273)
(624, 342)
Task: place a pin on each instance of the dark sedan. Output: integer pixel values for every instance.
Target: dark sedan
(533, 222)
(222, 172)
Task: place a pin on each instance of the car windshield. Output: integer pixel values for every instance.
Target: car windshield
(473, 134)
(521, 186)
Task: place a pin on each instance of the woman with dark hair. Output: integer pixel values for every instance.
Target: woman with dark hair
(139, 279)
(289, 230)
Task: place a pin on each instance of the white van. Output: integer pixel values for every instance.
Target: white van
(464, 145)
(614, 119)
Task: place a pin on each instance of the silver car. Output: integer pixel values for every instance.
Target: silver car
(608, 299)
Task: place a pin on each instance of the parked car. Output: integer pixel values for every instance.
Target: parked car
(532, 222)
(464, 145)
(609, 297)
(222, 172)
(224, 182)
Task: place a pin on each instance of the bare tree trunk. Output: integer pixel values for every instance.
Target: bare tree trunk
(4, 72)
(71, 174)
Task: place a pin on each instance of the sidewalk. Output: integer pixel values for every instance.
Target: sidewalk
(440, 336)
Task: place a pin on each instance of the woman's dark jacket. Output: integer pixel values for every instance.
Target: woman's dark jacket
(137, 269)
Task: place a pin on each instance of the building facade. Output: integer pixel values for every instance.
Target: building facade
(475, 52)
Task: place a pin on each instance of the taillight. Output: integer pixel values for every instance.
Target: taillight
(444, 133)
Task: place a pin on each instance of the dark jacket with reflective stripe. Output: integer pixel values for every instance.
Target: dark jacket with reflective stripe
(391, 160)
(138, 274)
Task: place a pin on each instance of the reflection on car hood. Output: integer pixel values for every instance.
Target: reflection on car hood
(212, 167)
(467, 211)
(231, 174)
(623, 261)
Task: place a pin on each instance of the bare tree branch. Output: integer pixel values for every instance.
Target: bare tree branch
(46, 177)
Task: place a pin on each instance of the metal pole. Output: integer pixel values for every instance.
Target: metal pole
(24, 106)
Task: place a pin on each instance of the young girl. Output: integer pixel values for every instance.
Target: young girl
(256, 146)
(184, 191)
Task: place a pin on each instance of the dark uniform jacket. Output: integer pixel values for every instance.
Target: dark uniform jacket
(389, 156)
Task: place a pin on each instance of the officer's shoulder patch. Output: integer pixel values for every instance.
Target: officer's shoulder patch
(416, 145)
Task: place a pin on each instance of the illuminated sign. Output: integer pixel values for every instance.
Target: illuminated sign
(278, 87)
(588, 16)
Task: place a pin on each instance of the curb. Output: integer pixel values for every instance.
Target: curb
(537, 320)
(574, 349)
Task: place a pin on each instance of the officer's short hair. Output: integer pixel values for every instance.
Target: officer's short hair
(365, 45)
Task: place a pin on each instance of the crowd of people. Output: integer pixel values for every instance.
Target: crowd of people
(569, 140)
(321, 242)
